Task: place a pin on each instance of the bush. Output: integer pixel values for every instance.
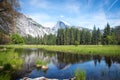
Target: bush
(76, 43)
(7, 66)
(16, 39)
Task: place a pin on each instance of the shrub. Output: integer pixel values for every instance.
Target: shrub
(16, 39)
(76, 43)
(7, 66)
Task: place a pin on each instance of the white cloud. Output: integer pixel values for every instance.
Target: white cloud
(39, 3)
(48, 24)
(43, 19)
(114, 22)
(72, 7)
(40, 16)
(99, 19)
(61, 16)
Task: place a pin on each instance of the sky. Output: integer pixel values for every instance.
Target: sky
(84, 13)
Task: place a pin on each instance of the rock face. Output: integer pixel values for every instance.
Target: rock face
(60, 24)
(26, 26)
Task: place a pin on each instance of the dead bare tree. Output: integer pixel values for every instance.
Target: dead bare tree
(8, 12)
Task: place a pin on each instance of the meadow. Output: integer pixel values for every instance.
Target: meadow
(80, 49)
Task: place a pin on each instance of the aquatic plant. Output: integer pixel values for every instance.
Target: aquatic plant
(80, 74)
(40, 62)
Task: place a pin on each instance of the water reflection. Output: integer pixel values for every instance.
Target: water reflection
(62, 65)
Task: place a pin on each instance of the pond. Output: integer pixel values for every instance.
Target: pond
(63, 65)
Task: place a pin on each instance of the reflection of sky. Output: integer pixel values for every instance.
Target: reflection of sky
(101, 71)
(59, 68)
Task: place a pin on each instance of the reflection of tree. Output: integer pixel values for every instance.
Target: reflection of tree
(60, 60)
(96, 59)
(72, 58)
(63, 60)
(108, 60)
(116, 59)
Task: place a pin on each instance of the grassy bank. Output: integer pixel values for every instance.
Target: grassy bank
(81, 49)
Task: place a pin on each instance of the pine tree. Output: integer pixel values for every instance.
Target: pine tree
(117, 34)
(82, 38)
(71, 36)
(106, 34)
(98, 36)
(94, 36)
(60, 37)
(87, 37)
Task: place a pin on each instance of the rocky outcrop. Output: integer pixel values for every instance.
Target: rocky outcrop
(59, 25)
(27, 26)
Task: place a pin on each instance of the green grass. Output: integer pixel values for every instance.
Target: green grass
(80, 74)
(41, 62)
(4, 76)
(80, 49)
(10, 61)
(10, 57)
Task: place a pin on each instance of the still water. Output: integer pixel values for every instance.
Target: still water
(63, 65)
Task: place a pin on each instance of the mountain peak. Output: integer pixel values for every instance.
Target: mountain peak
(62, 21)
(60, 24)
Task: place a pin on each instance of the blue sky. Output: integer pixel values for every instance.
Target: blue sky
(84, 13)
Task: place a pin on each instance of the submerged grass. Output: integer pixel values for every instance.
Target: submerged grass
(41, 62)
(80, 74)
(81, 49)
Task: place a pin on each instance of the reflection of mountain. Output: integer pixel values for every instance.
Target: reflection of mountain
(63, 60)
(30, 56)
(60, 60)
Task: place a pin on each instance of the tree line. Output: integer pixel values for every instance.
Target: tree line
(69, 36)
(72, 36)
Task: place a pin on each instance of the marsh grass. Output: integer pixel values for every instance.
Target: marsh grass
(40, 62)
(10, 62)
(80, 74)
(9, 57)
(5, 77)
